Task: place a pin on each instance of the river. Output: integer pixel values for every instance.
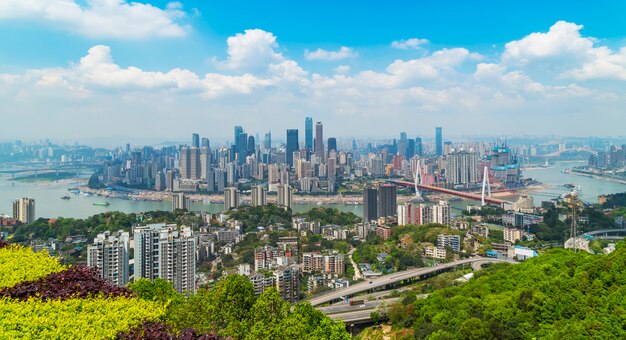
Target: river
(49, 203)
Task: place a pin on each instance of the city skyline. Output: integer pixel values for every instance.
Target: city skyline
(102, 82)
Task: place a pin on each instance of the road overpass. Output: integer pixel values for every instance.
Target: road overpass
(388, 280)
(450, 192)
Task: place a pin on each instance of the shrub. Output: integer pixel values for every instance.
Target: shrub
(19, 264)
(159, 330)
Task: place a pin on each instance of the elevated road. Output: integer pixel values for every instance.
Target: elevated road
(462, 194)
(388, 280)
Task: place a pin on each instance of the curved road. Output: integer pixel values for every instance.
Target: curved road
(393, 278)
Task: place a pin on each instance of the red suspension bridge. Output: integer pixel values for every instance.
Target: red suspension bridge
(450, 192)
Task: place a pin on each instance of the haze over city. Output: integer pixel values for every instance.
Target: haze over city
(150, 72)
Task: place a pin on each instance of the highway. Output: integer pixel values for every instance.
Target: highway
(386, 280)
(345, 308)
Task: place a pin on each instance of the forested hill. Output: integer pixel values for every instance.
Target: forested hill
(560, 294)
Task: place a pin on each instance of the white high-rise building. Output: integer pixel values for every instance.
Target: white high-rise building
(462, 168)
(285, 196)
(109, 253)
(408, 214)
(231, 198)
(163, 251)
(24, 210)
(259, 196)
(441, 213)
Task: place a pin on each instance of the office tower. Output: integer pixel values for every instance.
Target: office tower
(205, 161)
(184, 163)
(441, 213)
(370, 199)
(259, 196)
(170, 176)
(24, 210)
(308, 133)
(288, 283)
(268, 140)
(210, 180)
(220, 179)
(205, 143)
(292, 145)
(285, 196)
(195, 140)
(332, 144)
(251, 145)
(180, 201)
(402, 145)
(238, 131)
(419, 148)
(163, 251)
(438, 141)
(410, 149)
(462, 168)
(195, 167)
(319, 141)
(109, 254)
(241, 145)
(387, 205)
(231, 198)
(159, 183)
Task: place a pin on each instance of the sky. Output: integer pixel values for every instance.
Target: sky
(111, 71)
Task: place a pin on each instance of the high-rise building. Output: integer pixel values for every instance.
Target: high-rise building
(24, 210)
(195, 168)
(185, 163)
(441, 213)
(370, 199)
(419, 148)
(259, 196)
(268, 140)
(251, 145)
(292, 145)
(462, 168)
(242, 148)
(205, 143)
(163, 251)
(319, 141)
(387, 205)
(308, 133)
(332, 144)
(195, 140)
(170, 176)
(288, 283)
(407, 214)
(205, 161)
(180, 201)
(285, 196)
(438, 141)
(231, 198)
(109, 254)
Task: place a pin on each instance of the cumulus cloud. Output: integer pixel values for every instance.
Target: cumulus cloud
(259, 83)
(410, 44)
(253, 49)
(321, 54)
(100, 18)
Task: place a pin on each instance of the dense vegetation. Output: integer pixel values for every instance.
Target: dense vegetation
(553, 229)
(326, 216)
(253, 217)
(40, 299)
(615, 200)
(231, 309)
(560, 294)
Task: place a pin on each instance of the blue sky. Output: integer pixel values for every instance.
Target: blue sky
(362, 67)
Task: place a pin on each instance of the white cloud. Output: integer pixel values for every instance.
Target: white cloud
(410, 44)
(321, 54)
(252, 50)
(342, 69)
(100, 18)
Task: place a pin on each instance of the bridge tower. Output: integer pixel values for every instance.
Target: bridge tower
(418, 180)
(486, 185)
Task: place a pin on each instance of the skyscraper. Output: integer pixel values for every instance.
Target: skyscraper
(259, 196)
(308, 133)
(285, 196)
(24, 210)
(462, 168)
(292, 145)
(251, 145)
(419, 149)
(231, 198)
(438, 141)
(387, 205)
(319, 141)
(268, 140)
(109, 253)
(195, 140)
(332, 144)
(180, 201)
(163, 251)
(370, 204)
(241, 146)
(184, 163)
(195, 167)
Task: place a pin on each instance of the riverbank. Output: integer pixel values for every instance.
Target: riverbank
(580, 172)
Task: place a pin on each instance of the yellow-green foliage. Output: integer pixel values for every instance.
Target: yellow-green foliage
(96, 318)
(19, 264)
